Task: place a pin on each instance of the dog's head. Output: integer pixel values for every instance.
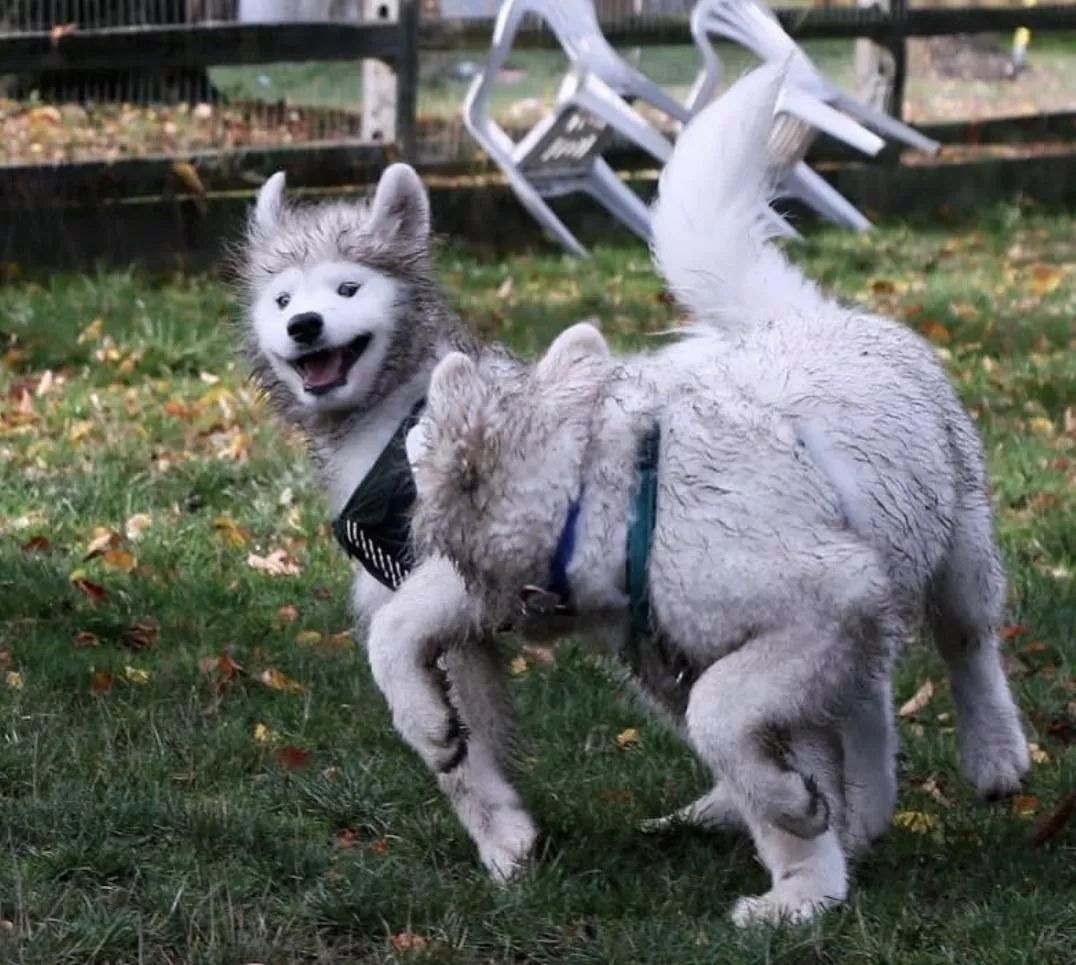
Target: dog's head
(497, 459)
(331, 292)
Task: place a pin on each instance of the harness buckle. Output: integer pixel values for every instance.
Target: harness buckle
(537, 601)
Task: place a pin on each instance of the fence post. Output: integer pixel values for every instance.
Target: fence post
(898, 46)
(407, 79)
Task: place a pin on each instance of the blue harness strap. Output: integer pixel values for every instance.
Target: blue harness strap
(641, 534)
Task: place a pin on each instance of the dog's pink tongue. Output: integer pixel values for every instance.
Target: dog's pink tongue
(322, 368)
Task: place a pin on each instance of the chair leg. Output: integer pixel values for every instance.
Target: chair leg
(616, 197)
(885, 124)
(808, 185)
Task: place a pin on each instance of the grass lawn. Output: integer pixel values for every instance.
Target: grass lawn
(196, 767)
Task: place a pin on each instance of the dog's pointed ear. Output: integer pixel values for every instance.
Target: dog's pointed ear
(270, 202)
(455, 385)
(580, 342)
(400, 210)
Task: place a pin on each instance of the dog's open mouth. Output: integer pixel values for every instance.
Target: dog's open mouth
(327, 369)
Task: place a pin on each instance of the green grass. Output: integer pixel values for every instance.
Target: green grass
(141, 820)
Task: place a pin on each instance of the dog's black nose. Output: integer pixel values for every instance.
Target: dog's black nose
(305, 327)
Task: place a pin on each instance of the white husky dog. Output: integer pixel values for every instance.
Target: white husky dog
(345, 323)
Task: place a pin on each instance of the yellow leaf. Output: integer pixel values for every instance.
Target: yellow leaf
(120, 560)
(519, 666)
(265, 735)
(1042, 426)
(277, 563)
(229, 531)
(103, 540)
(13, 679)
(275, 680)
(918, 822)
(1025, 805)
(137, 525)
(80, 430)
(1038, 755)
(1044, 279)
(308, 638)
(137, 676)
(918, 700)
(92, 332)
(218, 393)
(627, 739)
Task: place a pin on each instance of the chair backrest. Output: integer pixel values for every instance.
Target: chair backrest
(564, 145)
(753, 25)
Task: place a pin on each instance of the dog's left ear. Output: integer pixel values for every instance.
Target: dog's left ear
(580, 342)
(400, 210)
(270, 202)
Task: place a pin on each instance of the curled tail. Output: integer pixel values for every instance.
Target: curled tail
(712, 240)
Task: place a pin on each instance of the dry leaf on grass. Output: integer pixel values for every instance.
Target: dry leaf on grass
(14, 679)
(1025, 805)
(292, 758)
(100, 682)
(228, 530)
(1038, 755)
(407, 941)
(275, 680)
(93, 591)
(120, 561)
(918, 822)
(918, 700)
(628, 739)
(264, 734)
(103, 540)
(137, 525)
(135, 675)
(277, 563)
(1050, 826)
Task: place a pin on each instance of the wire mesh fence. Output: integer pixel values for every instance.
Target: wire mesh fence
(60, 113)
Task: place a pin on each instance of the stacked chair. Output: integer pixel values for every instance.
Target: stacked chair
(562, 153)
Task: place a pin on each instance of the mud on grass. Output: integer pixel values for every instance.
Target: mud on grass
(196, 767)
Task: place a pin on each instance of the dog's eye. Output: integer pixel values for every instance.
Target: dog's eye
(347, 289)
(282, 300)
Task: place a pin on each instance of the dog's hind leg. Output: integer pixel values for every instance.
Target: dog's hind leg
(965, 608)
(484, 800)
(807, 875)
(869, 741)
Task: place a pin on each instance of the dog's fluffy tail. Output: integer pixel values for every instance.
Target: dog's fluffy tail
(711, 239)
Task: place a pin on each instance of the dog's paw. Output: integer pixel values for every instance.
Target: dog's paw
(507, 846)
(996, 768)
(774, 908)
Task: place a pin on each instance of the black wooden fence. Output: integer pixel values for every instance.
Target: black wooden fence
(97, 196)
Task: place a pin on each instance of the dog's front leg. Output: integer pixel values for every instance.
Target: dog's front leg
(455, 718)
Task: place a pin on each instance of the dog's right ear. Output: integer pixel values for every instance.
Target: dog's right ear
(400, 210)
(270, 202)
(581, 341)
(455, 385)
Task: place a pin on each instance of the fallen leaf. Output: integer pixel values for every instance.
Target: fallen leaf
(936, 332)
(80, 430)
(918, 700)
(331, 773)
(627, 739)
(275, 680)
(1025, 805)
(918, 822)
(506, 288)
(189, 176)
(92, 332)
(94, 591)
(539, 654)
(136, 675)
(930, 786)
(265, 735)
(103, 540)
(86, 639)
(407, 941)
(518, 666)
(142, 635)
(380, 846)
(288, 613)
(1044, 279)
(347, 838)
(229, 531)
(292, 758)
(120, 560)
(1038, 755)
(308, 638)
(277, 563)
(1051, 825)
(137, 525)
(100, 682)
(1011, 630)
(38, 544)
(13, 679)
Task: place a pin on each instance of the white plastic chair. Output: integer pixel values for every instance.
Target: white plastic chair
(807, 96)
(562, 153)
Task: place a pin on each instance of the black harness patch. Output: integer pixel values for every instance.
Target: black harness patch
(375, 525)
